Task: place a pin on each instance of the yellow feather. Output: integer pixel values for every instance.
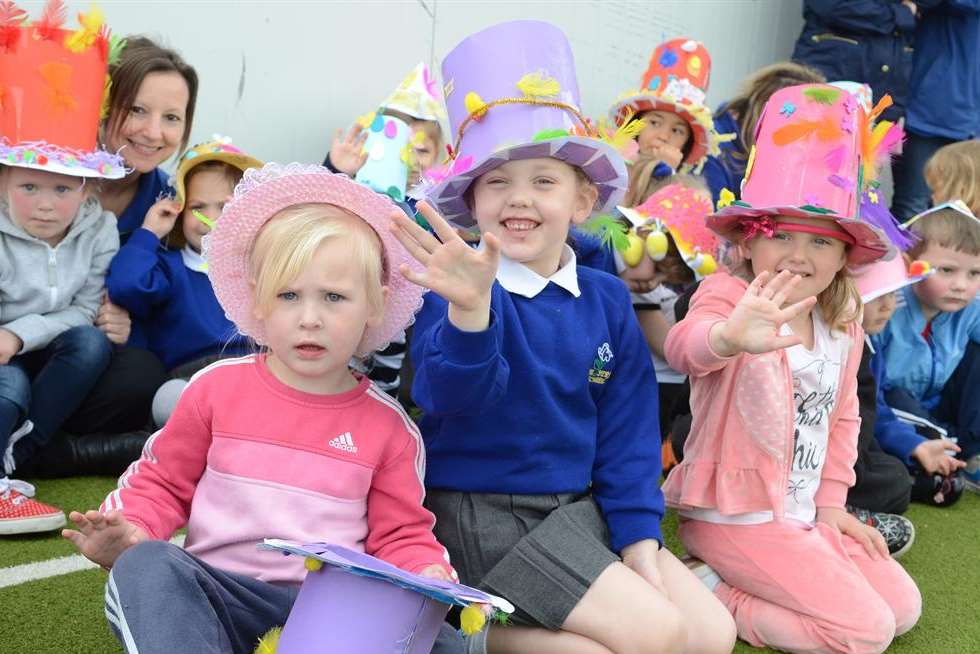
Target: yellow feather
(536, 85)
(269, 643)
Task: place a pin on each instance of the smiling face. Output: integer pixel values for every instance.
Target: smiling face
(816, 258)
(155, 125)
(528, 205)
(43, 204)
(954, 284)
(663, 128)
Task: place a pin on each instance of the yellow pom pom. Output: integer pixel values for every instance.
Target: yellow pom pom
(269, 643)
(312, 564)
(725, 198)
(472, 620)
(657, 245)
(634, 250)
(708, 265)
(475, 105)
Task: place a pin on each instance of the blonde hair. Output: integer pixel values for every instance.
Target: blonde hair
(839, 303)
(947, 228)
(285, 246)
(756, 90)
(953, 173)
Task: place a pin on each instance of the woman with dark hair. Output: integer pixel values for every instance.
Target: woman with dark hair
(151, 111)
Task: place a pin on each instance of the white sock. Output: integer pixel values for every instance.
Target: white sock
(477, 643)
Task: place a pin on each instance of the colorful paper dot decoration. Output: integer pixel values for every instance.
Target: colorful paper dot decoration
(694, 66)
(654, 83)
(377, 152)
(788, 109)
(378, 123)
(42, 160)
(391, 129)
(668, 58)
(394, 193)
(29, 156)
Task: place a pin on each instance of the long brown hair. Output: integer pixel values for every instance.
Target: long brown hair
(139, 58)
(756, 90)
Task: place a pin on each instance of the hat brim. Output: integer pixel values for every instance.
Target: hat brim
(897, 286)
(644, 102)
(869, 244)
(239, 160)
(600, 162)
(263, 193)
(116, 172)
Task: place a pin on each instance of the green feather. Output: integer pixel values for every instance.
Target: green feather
(116, 46)
(823, 96)
(610, 231)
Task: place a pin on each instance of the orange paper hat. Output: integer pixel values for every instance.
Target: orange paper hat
(53, 83)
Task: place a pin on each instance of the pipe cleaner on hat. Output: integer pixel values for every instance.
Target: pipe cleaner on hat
(511, 93)
(354, 602)
(679, 211)
(54, 86)
(219, 148)
(676, 81)
(263, 193)
(816, 156)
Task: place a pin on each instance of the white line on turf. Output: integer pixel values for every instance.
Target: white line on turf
(21, 574)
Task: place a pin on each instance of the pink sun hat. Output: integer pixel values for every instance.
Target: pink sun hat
(814, 158)
(883, 277)
(266, 191)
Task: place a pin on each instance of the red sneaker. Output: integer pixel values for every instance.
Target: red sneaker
(19, 514)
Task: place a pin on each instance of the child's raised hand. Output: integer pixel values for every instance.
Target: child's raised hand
(102, 538)
(933, 457)
(347, 151)
(162, 216)
(754, 325)
(668, 154)
(459, 273)
(435, 571)
(869, 537)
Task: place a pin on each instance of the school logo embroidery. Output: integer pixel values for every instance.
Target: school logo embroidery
(344, 442)
(598, 373)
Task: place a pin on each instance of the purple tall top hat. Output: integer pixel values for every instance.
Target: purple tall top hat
(511, 94)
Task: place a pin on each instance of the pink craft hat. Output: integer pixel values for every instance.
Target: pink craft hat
(681, 211)
(882, 277)
(812, 159)
(263, 193)
(676, 81)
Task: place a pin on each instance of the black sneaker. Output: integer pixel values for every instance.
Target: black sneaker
(899, 532)
(937, 490)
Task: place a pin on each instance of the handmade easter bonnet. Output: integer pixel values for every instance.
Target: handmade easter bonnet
(418, 96)
(956, 205)
(676, 80)
(389, 154)
(53, 85)
(264, 192)
(883, 277)
(219, 148)
(816, 156)
(511, 94)
(354, 602)
(680, 211)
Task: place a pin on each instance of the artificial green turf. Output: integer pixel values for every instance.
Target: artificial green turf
(64, 614)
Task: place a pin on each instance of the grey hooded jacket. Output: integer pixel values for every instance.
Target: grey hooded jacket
(46, 290)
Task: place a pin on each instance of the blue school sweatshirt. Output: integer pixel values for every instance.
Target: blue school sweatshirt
(183, 318)
(557, 395)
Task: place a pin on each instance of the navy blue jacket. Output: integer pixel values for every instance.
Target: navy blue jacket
(868, 41)
(944, 94)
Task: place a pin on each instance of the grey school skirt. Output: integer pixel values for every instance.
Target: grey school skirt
(541, 552)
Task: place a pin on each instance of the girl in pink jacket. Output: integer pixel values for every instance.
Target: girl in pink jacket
(772, 349)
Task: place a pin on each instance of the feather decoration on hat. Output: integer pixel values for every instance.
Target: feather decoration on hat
(11, 17)
(537, 85)
(51, 20)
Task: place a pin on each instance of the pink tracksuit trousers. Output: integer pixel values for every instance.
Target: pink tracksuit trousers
(805, 590)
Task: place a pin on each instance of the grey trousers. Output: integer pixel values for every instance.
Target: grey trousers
(160, 599)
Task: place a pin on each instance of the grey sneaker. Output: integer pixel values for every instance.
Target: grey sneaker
(899, 532)
(971, 474)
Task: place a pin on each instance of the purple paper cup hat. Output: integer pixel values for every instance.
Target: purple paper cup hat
(354, 602)
(812, 159)
(266, 191)
(511, 94)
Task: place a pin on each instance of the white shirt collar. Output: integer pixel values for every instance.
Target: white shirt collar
(193, 260)
(517, 278)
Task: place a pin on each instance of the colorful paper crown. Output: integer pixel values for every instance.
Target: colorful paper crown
(676, 81)
(418, 96)
(816, 156)
(679, 211)
(219, 148)
(390, 154)
(53, 85)
(373, 607)
(511, 94)
(883, 277)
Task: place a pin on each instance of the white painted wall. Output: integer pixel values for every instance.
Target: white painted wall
(279, 77)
